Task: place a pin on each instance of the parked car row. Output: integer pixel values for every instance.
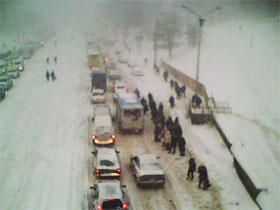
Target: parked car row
(129, 118)
(12, 64)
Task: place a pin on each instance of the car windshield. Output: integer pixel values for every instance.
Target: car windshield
(3, 80)
(106, 163)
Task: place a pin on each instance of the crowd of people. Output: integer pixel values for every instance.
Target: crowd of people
(169, 132)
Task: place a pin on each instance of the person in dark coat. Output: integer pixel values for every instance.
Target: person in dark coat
(203, 176)
(165, 75)
(178, 91)
(53, 76)
(55, 59)
(160, 108)
(192, 168)
(173, 145)
(183, 90)
(171, 83)
(146, 61)
(48, 75)
(137, 92)
(143, 101)
(182, 145)
(169, 123)
(157, 132)
(150, 98)
(177, 127)
(47, 60)
(171, 101)
(196, 100)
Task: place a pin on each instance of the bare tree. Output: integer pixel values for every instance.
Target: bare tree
(168, 31)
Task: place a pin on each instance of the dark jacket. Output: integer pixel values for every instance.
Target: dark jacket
(202, 171)
(192, 165)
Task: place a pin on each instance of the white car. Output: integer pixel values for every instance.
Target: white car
(119, 87)
(97, 96)
(147, 168)
(107, 163)
(101, 109)
(109, 195)
(123, 59)
(137, 72)
(103, 130)
(132, 65)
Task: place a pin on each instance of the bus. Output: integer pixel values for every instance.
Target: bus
(95, 59)
(129, 113)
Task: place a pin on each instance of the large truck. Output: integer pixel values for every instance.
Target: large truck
(98, 79)
(95, 59)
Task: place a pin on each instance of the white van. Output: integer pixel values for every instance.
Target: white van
(103, 131)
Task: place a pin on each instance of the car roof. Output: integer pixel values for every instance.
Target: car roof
(107, 153)
(103, 120)
(109, 190)
(147, 158)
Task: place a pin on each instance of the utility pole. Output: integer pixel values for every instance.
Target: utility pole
(201, 22)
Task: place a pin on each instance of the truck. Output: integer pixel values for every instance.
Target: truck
(98, 79)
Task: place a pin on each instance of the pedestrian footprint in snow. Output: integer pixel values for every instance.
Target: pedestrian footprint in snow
(47, 75)
(53, 76)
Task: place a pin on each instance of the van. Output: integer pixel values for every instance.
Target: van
(103, 131)
(6, 81)
(129, 114)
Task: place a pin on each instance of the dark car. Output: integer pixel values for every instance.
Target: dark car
(109, 195)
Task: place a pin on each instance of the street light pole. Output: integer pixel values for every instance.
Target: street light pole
(201, 21)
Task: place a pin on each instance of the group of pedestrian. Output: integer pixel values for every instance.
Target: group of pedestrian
(165, 130)
(54, 59)
(180, 91)
(203, 182)
(52, 75)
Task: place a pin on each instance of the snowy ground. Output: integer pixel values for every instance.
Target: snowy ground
(45, 147)
(240, 65)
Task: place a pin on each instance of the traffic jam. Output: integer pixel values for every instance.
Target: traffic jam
(116, 110)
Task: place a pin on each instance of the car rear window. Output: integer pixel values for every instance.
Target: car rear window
(112, 204)
(106, 163)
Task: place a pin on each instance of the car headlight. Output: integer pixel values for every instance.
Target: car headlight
(20, 68)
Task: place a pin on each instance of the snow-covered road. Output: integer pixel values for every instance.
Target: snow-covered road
(45, 142)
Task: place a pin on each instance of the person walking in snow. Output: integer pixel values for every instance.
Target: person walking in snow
(160, 108)
(169, 123)
(146, 61)
(47, 60)
(171, 83)
(182, 145)
(171, 101)
(137, 92)
(47, 75)
(157, 133)
(55, 59)
(203, 176)
(53, 76)
(192, 168)
(165, 75)
(183, 90)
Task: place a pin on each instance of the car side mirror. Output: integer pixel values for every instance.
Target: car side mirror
(94, 152)
(124, 186)
(117, 151)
